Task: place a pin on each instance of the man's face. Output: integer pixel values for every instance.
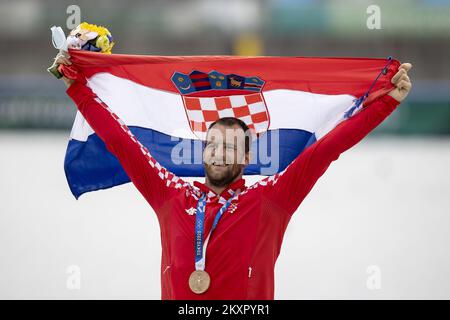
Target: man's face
(224, 156)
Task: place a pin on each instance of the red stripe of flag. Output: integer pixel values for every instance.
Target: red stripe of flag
(201, 84)
(198, 76)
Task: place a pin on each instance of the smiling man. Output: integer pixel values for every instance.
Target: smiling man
(221, 239)
(226, 152)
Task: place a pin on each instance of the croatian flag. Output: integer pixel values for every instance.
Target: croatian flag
(168, 102)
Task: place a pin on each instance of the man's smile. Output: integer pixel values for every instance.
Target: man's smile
(218, 165)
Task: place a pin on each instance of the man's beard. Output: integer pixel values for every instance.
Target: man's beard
(224, 179)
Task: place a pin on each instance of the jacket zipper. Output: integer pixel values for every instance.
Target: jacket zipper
(166, 273)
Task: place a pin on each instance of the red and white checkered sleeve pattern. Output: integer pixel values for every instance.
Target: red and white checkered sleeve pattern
(155, 182)
(289, 187)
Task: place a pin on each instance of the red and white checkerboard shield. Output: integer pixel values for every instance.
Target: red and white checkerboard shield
(250, 108)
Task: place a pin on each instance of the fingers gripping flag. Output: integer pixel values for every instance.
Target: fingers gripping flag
(168, 102)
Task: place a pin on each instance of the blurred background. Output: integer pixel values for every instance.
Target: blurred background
(382, 206)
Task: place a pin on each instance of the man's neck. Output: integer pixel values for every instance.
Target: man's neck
(217, 189)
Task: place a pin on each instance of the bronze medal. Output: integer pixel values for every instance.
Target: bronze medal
(199, 281)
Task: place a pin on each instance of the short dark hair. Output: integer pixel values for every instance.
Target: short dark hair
(231, 121)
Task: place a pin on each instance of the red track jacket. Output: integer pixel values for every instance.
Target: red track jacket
(244, 247)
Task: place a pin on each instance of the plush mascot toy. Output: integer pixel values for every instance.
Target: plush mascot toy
(89, 37)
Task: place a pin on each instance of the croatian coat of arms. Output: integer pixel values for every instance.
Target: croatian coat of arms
(210, 96)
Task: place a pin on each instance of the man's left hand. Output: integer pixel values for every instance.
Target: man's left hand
(402, 82)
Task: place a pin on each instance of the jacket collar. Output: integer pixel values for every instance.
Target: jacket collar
(236, 187)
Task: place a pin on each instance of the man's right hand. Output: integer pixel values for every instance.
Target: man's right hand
(62, 59)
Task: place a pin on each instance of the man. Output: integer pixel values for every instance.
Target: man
(221, 239)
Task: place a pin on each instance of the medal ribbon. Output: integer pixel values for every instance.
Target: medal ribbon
(200, 247)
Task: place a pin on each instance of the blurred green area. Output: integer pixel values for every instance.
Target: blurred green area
(418, 118)
(343, 18)
(417, 31)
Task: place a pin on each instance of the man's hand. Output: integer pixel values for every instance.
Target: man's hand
(402, 82)
(62, 59)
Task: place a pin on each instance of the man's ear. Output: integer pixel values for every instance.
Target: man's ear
(248, 157)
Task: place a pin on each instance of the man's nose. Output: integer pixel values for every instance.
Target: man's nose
(218, 151)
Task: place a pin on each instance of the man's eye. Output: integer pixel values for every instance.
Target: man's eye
(212, 145)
